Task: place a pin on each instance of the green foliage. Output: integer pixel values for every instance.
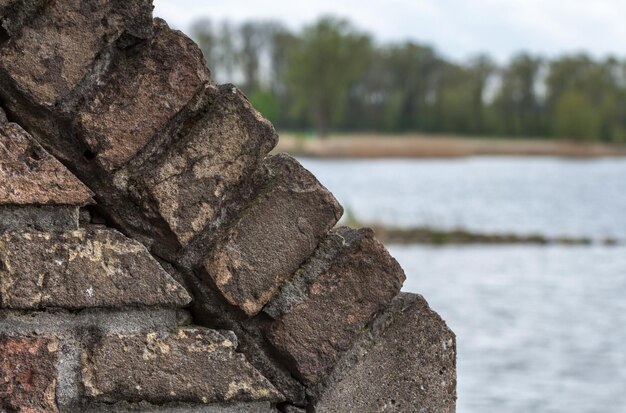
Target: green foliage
(618, 134)
(575, 117)
(331, 76)
(350, 219)
(517, 103)
(321, 68)
(266, 102)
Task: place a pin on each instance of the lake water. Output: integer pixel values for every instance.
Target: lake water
(522, 195)
(539, 329)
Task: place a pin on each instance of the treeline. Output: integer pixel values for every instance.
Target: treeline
(331, 76)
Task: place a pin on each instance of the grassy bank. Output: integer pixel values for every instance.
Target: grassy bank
(458, 236)
(433, 236)
(437, 146)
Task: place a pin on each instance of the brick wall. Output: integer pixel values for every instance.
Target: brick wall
(154, 257)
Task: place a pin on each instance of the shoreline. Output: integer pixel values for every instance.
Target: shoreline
(438, 237)
(375, 146)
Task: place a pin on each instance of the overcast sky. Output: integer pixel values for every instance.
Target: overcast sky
(457, 28)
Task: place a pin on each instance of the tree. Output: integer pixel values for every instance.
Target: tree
(454, 99)
(576, 81)
(257, 39)
(517, 103)
(412, 71)
(202, 32)
(328, 58)
(481, 70)
(576, 118)
(331, 75)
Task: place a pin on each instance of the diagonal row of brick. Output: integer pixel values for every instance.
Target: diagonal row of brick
(182, 168)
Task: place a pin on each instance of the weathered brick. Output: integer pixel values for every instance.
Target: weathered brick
(28, 372)
(177, 164)
(44, 218)
(275, 234)
(360, 281)
(296, 291)
(192, 365)
(210, 309)
(125, 407)
(143, 89)
(56, 50)
(16, 13)
(211, 169)
(80, 269)
(30, 176)
(406, 363)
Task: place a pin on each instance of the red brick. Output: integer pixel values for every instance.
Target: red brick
(28, 374)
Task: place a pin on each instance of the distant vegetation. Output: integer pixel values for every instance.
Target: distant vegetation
(332, 76)
(437, 236)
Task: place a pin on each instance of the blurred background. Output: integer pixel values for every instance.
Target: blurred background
(485, 142)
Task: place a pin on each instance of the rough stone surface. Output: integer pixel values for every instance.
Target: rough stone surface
(63, 322)
(210, 308)
(3, 117)
(75, 329)
(361, 281)
(28, 374)
(164, 367)
(16, 13)
(30, 176)
(261, 356)
(274, 236)
(38, 218)
(211, 170)
(139, 94)
(85, 268)
(296, 291)
(123, 407)
(181, 165)
(57, 49)
(405, 364)
(293, 409)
